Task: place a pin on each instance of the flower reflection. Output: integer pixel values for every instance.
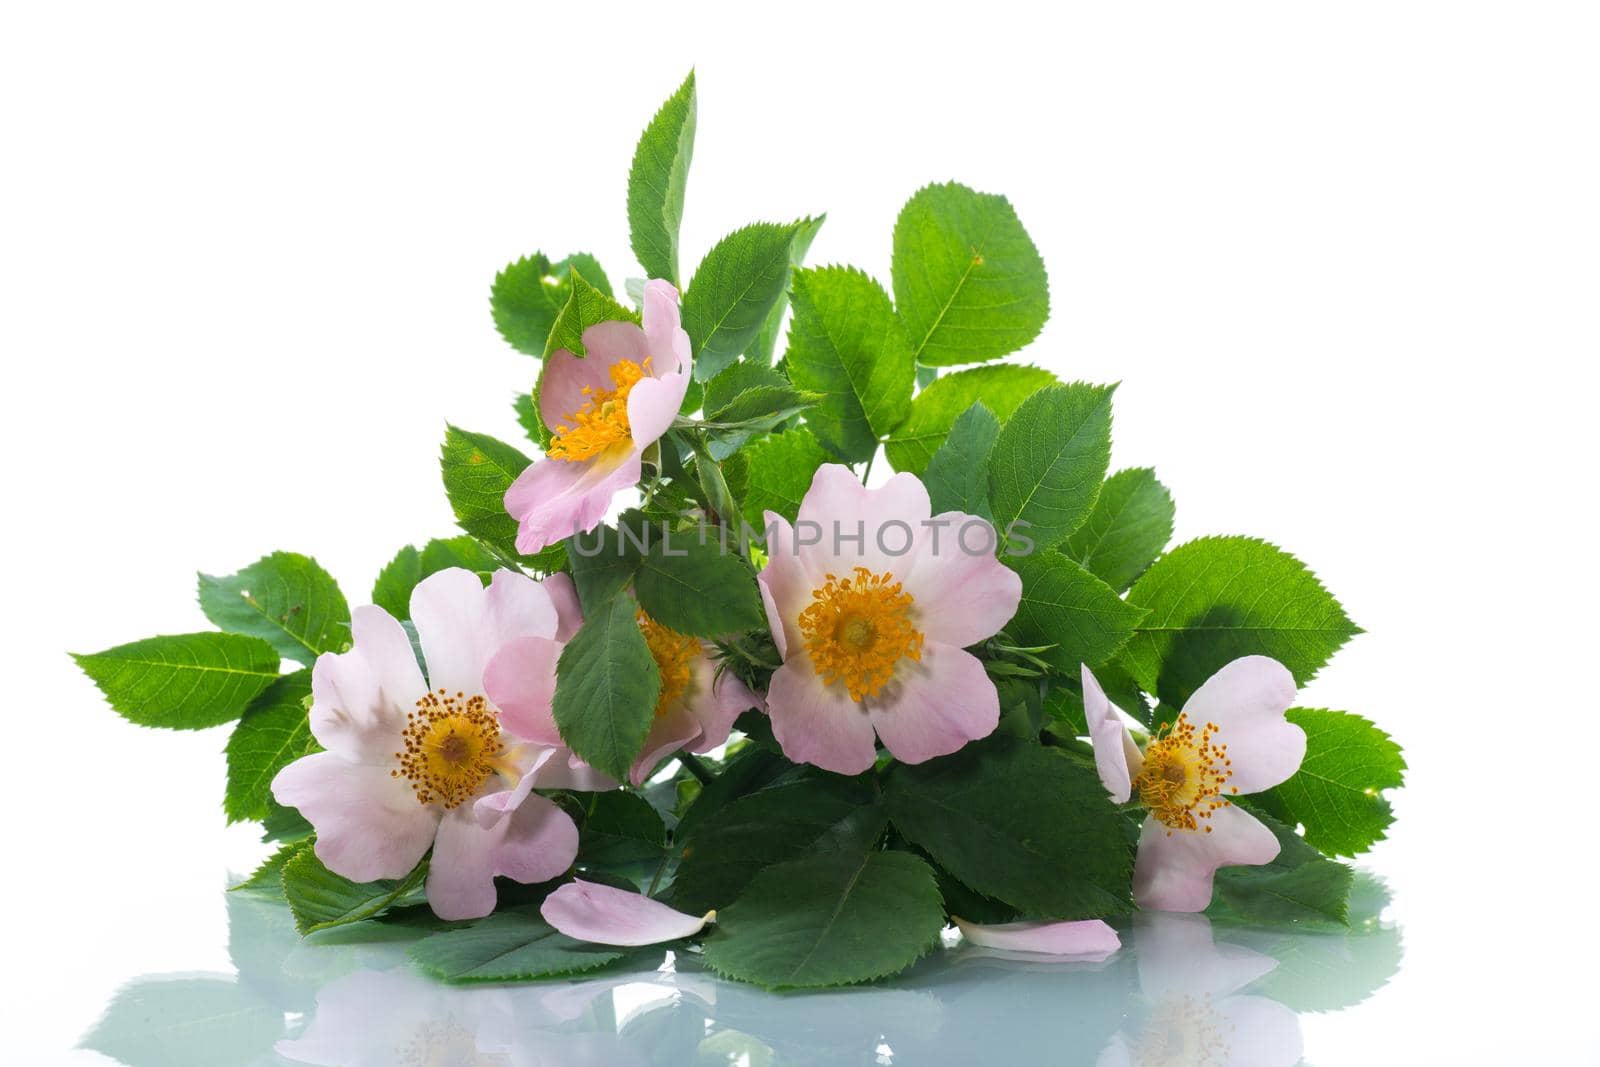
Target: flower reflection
(1179, 992)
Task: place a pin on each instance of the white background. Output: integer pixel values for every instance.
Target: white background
(1343, 259)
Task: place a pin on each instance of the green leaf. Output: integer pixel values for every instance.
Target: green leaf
(704, 590)
(846, 343)
(1218, 598)
(446, 552)
(781, 467)
(829, 919)
(186, 682)
(186, 1021)
(783, 822)
(528, 417)
(285, 599)
(529, 294)
(1337, 792)
(273, 733)
(733, 291)
(968, 281)
(1020, 823)
(620, 828)
(477, 472)
(1128, 527)
(1047, 466)
(1301, 885)
(750, 769)
(392, 589)
(321, 900)
(748, 393)
(606, 689)
(267, 879)
(285, 825)
(1069, 609)
(586, 306)
(656, 183)
(1331, 971)
(508, 947)
(766, 342)
(603, 564)
(1002, 389)
(958, 474)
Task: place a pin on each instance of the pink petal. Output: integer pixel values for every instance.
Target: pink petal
(1177, 958)
(730, 698)
(1174, 869)
(561, 390)
(960, 597)
(360, 698)
(567, 771)
(553, 499)
(774, 620)
(840, 507)
(607, 916)
(935, 706)
(535, 843)
(652, 405)
(492, 807)
(1090, 939)
(1116, 757)
(819, 724)
(669, 733)
(520, 680)
(786, 582)
(369, 824)
(668, 343)
(461, 625)
(564, 595)
(1247, 699)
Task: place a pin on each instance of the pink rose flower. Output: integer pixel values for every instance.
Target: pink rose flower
(413, 764)
(604, 410)
(872, 610)
(1230, 739)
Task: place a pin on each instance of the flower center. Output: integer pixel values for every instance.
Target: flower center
(1184, 775)
(451, 747)
(673, 652)
(602, 422)
(1183, 1033)
(857, 629)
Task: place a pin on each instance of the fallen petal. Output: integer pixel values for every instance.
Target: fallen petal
(1090, 940)
(606, 916)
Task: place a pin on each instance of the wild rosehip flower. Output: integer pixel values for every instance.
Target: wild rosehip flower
(604, 410)
(1230, 739)
(872, 610)
(412, 764)
(694, 711)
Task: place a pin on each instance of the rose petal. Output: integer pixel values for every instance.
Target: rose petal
(936, 705)
(536, 843)
(1116, 757)
(360, 698)
(1174, 868)
(1089, 940)
(520, 680)
(460, 625)
(369, 824)
(564, 595)
(607, 916)
(960, 597)
(1247, 699)
(819, 724)
(566, 376)
(553, 499)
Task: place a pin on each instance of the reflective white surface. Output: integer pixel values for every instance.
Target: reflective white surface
(1182, 991)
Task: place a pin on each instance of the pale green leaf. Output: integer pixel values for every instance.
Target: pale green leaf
(513, 946)
(734, 289)
(781, 467)
(185, 682)
(1128, 527)
(1046, 468)
(285, 599)
(321, 900)
(1065, 607)
(766, 342)
(1001, 388)
(272, 734)
(1337, 794)
(958, 474)
(657, 181)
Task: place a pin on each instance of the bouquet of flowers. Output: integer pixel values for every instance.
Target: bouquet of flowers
(693, 677)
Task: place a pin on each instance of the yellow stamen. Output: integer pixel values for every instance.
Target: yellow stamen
(602, 423)
(673, 653)
(857, 629)
(1184, 776)
(451, 747)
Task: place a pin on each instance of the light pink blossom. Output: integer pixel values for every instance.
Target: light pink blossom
(604, 915)
(1231, 739)
(414, 763)
(604, 410)
(872, 602)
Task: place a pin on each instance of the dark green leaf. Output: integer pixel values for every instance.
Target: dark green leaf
(958, 474)
(508, 947)
(743, 773)
(1126, 530)
(733, 291)
(620, 828)
(1047, 466)
(1068, 608)
(285, 599)
(1301, 885)
(603, 563)
(783, 822)
(606, 689)
(1002, 389)
(1019, 823)
(969, 283)
(321, 900)
(477, 472)
(273, 733)
(185, 682)
(847, 344)
(1218, 598)
(704, 590)
(656, 183)
(1337, 794)
(829, 919)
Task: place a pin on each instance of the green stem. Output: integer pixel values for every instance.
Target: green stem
(693, 765)
(868, 472)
